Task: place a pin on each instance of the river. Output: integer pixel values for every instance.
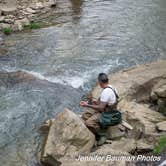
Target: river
(87, 37)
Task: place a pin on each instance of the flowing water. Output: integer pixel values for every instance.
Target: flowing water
(88, 37)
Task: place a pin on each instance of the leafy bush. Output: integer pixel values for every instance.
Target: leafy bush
(7, 31)
(33, 26)
(160, 145)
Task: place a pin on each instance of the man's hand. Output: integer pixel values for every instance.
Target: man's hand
(84, 103)
(95, 102)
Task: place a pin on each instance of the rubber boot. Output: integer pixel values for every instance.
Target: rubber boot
(102, 133)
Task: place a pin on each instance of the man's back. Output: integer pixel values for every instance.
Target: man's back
(108, 95)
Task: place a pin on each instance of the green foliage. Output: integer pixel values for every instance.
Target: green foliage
(33, 25)
(7, 31)
(160, 145)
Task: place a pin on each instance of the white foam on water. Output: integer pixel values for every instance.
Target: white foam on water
(36, 74)
(75, 81)
(8, 69)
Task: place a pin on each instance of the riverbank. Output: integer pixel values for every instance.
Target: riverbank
(17, 15)
(143, 105)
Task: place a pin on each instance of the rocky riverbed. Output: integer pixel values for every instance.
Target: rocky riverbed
(69, 141)
(15, 14)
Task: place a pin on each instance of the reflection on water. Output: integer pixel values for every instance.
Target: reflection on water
(76, 10)
(76, 6)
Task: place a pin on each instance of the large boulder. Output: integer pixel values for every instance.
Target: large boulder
(68, 136)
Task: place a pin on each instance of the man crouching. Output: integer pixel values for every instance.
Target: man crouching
(106, 102)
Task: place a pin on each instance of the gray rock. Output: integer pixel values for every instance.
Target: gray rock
(10, 17)
(2, 18)
(9, 21)
(162, 106)
(161, 91)
(143, 147)
(19, 24)
(9, 10)
(3, 51)
(161, 126)
(4, 25)
(37, 6)
(1, 40)
(114, 132)
(153, 96)
(123, 145)
(30, 10)
(52, 3)
(68, 136)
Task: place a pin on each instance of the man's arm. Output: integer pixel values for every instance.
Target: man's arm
(99, 107)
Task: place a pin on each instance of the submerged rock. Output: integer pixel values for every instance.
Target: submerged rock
(3, 51)
(68, 136)
(12, 78)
